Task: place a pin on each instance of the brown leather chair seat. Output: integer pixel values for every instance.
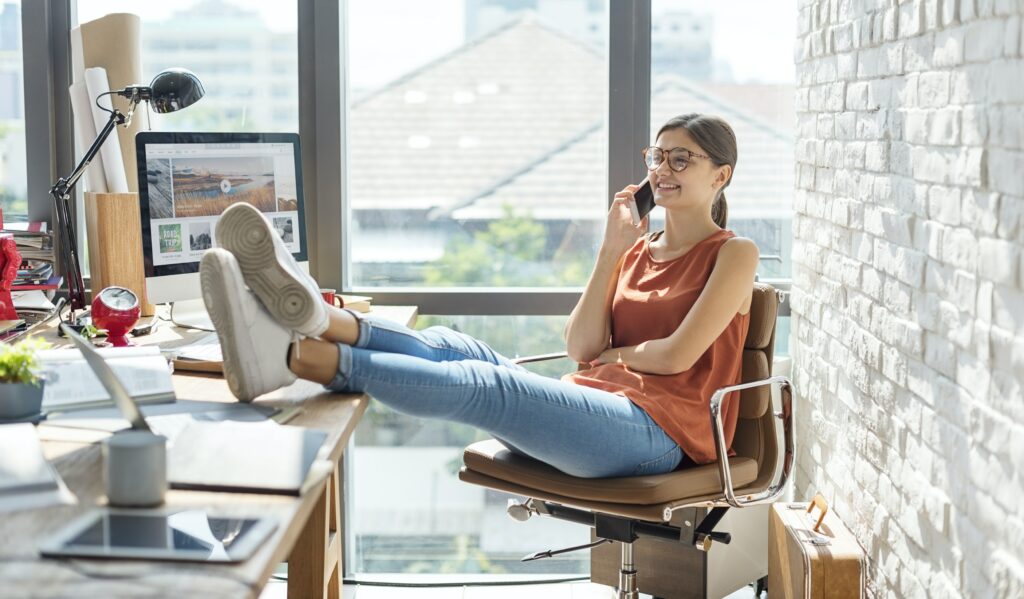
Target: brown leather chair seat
(493, 459)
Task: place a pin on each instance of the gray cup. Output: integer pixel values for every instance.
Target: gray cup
(135, 469)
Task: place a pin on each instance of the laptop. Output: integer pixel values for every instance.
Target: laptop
(251, 457)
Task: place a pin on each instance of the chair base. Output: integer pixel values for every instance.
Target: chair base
(674, 570)
(627, 574)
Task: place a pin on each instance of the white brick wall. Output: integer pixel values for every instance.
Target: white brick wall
(908, 300)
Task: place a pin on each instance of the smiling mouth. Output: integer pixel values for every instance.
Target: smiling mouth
(667, 186)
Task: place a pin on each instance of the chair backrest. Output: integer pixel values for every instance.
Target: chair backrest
(755, 428)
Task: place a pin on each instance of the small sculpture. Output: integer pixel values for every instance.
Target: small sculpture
(10, 260)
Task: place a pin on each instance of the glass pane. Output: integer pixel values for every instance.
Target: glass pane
(244, 51)
(478, 159)
(13, 181)
(422, 519)
(735, 60)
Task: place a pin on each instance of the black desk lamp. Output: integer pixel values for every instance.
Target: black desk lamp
(170, 90)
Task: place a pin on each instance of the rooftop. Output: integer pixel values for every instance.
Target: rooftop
(517, 117)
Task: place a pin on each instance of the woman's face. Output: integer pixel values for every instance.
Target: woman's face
(695, 185)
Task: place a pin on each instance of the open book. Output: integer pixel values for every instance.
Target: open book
(71, 383)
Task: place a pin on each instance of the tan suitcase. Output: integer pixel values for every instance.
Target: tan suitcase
(812, 557)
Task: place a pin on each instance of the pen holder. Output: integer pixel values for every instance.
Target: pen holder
(135, 469)
(115, 244)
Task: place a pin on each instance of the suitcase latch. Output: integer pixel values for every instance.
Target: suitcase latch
(819, 541)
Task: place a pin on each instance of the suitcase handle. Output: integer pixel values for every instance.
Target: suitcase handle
(819, 501)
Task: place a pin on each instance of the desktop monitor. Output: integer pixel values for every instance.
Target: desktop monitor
(186, 180)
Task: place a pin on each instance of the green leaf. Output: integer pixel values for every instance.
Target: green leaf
(19, 362)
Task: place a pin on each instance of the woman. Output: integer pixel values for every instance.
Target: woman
(661, 323)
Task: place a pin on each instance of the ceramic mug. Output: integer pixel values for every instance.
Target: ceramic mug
(330, 296)
(135, 469)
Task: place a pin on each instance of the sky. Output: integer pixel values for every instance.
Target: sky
(754, 37)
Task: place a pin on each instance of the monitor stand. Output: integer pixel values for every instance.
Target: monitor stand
(191, 314)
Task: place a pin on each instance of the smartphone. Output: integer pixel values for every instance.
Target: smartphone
(644, 202)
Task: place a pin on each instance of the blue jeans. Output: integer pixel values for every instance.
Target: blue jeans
(440, 373)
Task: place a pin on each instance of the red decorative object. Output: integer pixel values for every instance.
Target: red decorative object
(116, 309)
(10, 260)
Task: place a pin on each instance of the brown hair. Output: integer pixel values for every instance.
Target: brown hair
(717, 139)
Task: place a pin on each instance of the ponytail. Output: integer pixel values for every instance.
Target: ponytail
(720, 210)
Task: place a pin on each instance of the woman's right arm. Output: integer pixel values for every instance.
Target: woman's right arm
(589, 328)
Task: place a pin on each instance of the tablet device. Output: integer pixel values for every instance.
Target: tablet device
(183, 535)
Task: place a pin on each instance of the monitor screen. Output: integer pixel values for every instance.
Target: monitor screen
(186, 180)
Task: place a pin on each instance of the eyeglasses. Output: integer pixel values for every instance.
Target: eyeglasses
(678, 158)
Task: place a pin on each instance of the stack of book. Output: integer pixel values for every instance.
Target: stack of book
(35, 243)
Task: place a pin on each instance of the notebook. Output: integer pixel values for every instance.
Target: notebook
(73, 383)
(251, 457)
(27, 480)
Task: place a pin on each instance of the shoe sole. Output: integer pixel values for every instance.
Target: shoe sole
(248, 236)
(219, 281)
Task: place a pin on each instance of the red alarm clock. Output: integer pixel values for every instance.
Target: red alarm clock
(116, 309)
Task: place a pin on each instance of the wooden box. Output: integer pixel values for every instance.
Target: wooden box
(114, 234)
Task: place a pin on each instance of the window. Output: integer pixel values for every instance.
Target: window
(478, 160)
(483, 150)
(230, 45)
(735, 61)
(13, 182)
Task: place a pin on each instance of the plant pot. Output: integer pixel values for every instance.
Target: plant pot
(20, 401)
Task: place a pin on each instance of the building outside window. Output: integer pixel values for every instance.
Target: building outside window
(227, 44)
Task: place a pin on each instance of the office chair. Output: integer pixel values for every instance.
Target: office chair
(683, 506)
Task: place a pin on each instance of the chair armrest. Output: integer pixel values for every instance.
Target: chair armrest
(785, 457)
(540, 358)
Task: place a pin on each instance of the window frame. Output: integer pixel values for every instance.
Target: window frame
(46, 60)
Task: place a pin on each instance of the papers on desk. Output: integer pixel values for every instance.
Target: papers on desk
(202, 355)
(31, 300)
(72, 384)
(27, 480)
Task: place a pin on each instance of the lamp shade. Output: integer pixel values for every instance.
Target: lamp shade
(175, 89)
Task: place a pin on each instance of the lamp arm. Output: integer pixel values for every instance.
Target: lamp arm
(61, 192)
(64, 185)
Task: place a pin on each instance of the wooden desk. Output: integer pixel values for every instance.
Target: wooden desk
(309, 533)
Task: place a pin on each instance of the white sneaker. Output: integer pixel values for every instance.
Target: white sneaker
(254, 346)
(289, 293)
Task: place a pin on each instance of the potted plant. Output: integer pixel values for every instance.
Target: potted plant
(21, 386)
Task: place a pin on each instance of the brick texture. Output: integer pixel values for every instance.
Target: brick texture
(908, 299)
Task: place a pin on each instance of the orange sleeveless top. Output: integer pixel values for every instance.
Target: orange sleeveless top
(651, 299)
